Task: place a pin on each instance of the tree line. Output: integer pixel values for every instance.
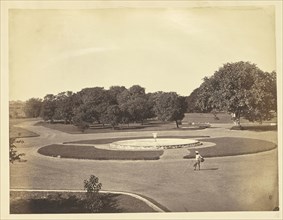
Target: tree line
(239, 88)
(117, 105)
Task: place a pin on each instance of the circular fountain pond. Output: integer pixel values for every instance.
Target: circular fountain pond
(153, 144)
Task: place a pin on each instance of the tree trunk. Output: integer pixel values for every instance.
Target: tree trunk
(236, 119)
(177, 123)
(239, 118)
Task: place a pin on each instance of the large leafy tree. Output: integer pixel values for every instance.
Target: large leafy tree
(114, 92)
(95, 95)
(191, 100)
(32, 107)
(97, 99)
(83, 117)
(64, 106)
(134, 104)
(122, 99)
(170, 107)
(112, 115)
(48, 107)
(241, 89)
(152, 98)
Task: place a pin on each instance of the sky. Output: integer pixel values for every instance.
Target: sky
(160, 49)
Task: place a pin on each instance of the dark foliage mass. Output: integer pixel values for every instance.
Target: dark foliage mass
(241, 89)
(114, 106)
(72, 203)
(14, 155)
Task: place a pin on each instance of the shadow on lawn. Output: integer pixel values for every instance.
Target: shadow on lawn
(257, 128)
(214, 168)
(58, 204)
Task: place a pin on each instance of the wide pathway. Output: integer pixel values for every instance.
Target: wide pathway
(245, 183)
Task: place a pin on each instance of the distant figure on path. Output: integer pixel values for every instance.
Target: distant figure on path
(198, 159)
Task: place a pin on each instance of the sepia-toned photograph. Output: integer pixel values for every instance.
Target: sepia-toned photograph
(141, 110)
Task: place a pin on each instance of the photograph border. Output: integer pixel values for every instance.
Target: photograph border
(6, 5)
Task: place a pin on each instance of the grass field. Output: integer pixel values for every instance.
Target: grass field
(229, 146)
(72, 202)
(98, 128)
(258, 128)
(222, 118)
(149, 125)
(15, 132)
(155, 125)
(92, 153)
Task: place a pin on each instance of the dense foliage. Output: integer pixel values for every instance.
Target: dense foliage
(241, 89)
(14, 155)
(32, 107)
(115, 106)
(170, 107)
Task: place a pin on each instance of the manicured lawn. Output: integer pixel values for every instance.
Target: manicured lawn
(68, 128)
(14, 121)
(207, 117)
(220, 118)
(258, 128)
(92, 153)
(229, 146)
(197, 118)
(15, 132)
(150, 126)
(72, 202)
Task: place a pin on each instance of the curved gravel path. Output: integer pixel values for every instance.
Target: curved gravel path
(238, 183)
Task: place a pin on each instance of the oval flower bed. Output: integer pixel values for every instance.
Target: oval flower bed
(93, 153)
(233, 146)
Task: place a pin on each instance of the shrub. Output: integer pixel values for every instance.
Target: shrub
(93, 202)
(14, 155)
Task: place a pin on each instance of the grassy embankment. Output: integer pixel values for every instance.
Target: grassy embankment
(73, 202)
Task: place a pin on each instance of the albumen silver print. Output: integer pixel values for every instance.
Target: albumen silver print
(141, 109)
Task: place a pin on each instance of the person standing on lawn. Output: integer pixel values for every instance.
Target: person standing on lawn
(198, 159)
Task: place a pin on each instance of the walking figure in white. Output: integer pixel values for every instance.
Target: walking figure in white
(198, 159)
